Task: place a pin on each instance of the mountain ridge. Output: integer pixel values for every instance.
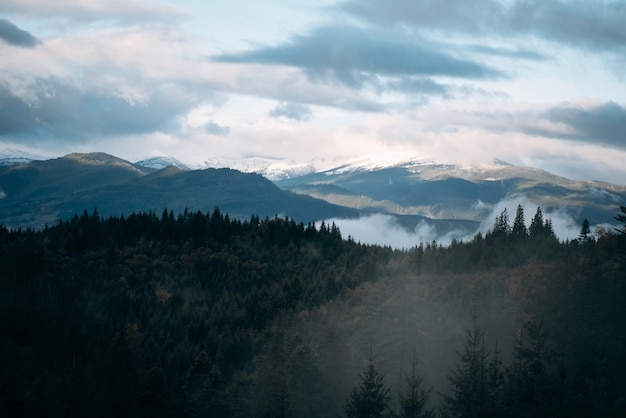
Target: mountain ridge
(411, 190)
(41, 193)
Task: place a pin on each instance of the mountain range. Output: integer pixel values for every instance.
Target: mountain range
(34, 193)
(43, 192)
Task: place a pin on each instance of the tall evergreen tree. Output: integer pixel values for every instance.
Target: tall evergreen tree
(413, 401)
(370, 399)
(536, 228)
(534, 386)
(584, 231)
(548, 229)
(519, 225)
(621, 217)
(495, 384)
(468, 381)
(501, 227)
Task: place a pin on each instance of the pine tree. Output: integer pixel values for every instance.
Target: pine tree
(413, 402)
(519, 225)
(501, 227)
(468, 381)
(533, 384)
(548, 230)
(536, 228)
(370, 399)
(495, 384)
(584, 231)
(621, 217)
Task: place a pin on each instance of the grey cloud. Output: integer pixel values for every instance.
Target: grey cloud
(592, 25)
(458, 15)
(289, 89)
(294, 111)
(419, 85)
(213, 128)
(79, 12)
(61, 111)
(357, 57)
(13, 35)
(525, 54)
(581, 23)
(605, 123)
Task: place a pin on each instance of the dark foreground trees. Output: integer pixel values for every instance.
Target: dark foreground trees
(190, 316)
(158, 315)
(370, 398)
(414, 400)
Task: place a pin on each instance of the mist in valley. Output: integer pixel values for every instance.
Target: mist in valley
(384, 229)
(403, 317)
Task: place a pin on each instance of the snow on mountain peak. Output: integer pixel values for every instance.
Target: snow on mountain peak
(14, 156)
(280, 169)
(159, 163)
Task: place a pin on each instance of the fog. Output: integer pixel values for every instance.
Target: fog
(565, 227)
(406, 316)
(384, 229)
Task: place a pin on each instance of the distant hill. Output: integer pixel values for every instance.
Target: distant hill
(42, 192)
(158, 163)
(449, 197)
(446, 191)
(11, 156)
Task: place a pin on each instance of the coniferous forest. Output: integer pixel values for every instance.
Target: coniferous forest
(200, 315)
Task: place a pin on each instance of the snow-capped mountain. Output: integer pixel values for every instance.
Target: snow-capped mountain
(407, 187)
(158, 163)
(13, 156)
(277, 169)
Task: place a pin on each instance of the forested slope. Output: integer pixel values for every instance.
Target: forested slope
(203, 315)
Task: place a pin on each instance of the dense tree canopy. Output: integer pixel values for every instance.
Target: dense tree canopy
(203, 315)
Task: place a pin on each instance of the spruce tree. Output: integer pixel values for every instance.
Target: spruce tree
(536, 228)
(621, 217)
(468, 381)
(370, 399)
(584, 231)
(501, 227)
(495, 384)
(413, 402)
(519, 225)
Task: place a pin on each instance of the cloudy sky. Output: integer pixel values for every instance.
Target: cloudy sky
(537, 83)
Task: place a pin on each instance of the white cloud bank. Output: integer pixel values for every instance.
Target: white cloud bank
(383, 229)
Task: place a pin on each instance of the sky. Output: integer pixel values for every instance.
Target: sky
(534, 83)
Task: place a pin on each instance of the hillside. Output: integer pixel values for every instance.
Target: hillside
(207, 315)
(420, 201)
(447, 191)
(42, 192)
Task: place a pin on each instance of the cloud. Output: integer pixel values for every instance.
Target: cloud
(13, 35)
(455, 15)
(383, 229)
(294, 111)
(357, 57)
(55, 109)
(591, 25)
(94, 10)
(564, 225)
(517, 53)
(214, 129)
(279, 83)
(582, 120)
(603, 123)
(420, 85)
